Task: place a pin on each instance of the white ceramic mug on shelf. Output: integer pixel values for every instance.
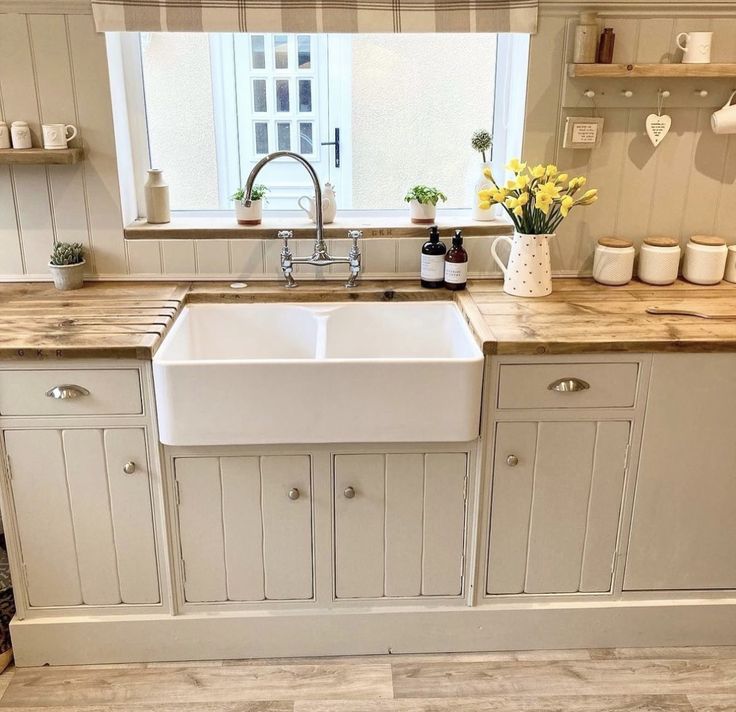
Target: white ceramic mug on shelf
(723, 121)
(56, 136)
(696, 47)
(21, 134)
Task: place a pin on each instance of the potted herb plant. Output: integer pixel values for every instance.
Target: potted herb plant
(253, 214)
(482, 142)
(67, 265)
(423, 203)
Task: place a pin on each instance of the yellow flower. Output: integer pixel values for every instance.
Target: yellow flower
(487, 173)
(565, 204)
(484, 204)
(486, 193)
(543, 201)
(521, 182)
(517, 204)
(510, 185)
(498, 196)
(576, 183)
(551, 171)
(538, 171)
(562, 178)
(515, 165)
(550, 189)
(588, 198)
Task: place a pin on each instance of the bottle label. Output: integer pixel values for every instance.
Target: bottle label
(456, 272)
(433, 268)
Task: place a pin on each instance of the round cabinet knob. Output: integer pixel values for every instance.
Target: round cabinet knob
(512, 461)
(349, 492)
(129, 467)
(294, 493)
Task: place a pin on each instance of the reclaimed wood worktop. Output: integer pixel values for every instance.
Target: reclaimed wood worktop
(129, 319)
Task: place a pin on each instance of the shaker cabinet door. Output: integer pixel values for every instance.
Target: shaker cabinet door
(556, 501)
(683, 531)
(399, 524)
(71, 482)
(245, 527)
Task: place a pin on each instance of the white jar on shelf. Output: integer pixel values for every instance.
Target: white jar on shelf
(156, 191)
(659, 260)
(613, 262)
(705, 259)
(730, 275)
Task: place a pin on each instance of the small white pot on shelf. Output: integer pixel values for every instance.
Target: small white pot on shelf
(68, 276)
(422, 213)
(252, 215)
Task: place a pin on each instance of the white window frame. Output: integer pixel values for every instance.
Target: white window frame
(124, 54)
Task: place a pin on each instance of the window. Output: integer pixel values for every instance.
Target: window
(375, 114)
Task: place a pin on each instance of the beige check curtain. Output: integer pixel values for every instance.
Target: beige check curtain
(316, 15)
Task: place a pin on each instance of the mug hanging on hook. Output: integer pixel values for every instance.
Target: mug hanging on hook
(659, 124)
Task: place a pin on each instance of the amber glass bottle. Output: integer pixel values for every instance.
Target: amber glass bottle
(456, 264)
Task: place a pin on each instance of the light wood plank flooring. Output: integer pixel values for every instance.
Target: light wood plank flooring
(611, 680)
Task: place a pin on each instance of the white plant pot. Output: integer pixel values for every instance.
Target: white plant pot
(249, 215)
(68, 276)
(422, 213)
(528, 272)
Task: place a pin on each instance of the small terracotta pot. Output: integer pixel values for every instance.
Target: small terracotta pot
(249, 215)
(422, 213)
(68, 276)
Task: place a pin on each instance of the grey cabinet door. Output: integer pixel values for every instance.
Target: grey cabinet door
(556, 503)
(402, 532)
(71, 482)
(683, 532)
(245, 527)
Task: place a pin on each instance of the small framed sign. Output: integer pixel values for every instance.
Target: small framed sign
(583, 132)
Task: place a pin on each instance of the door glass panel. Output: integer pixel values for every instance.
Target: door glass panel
(304, 46)
(282, 95)
(305, 95)
(306, 145)
(258, 51)
(283, 135)
(260, 103)
(261, 129)
(281, 51)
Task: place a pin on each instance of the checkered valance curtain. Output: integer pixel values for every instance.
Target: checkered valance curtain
(316, 15)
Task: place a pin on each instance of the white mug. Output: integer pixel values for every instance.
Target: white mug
(57, 135)
(4, 135)
(723, 121)
(21, 134)
(696, 49)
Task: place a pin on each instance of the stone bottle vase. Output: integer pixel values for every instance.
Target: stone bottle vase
(68, 276)
(529, 271)
(156, 191)
(478, 213)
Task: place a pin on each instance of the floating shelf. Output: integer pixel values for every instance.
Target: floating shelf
(40, 156)
(669, 71)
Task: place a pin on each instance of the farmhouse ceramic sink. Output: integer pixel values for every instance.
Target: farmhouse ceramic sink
(235, 374)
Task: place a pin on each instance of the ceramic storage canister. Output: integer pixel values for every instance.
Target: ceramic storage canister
(659, 260)
(705, 259)
(613, 262)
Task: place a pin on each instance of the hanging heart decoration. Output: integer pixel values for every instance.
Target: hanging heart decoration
(658, 126)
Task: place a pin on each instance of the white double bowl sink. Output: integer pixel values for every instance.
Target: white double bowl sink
(237, 374)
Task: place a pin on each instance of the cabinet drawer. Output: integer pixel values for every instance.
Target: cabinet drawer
(609, 385)
(108, 392)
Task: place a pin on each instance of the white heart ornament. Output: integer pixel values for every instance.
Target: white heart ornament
(658, 126)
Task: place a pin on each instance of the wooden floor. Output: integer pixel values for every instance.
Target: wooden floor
(620, 680)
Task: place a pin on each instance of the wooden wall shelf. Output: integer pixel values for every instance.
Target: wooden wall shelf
(40, 156)
(668, 71)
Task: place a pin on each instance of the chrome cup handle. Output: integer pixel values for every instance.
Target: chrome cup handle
(67, 391)
(569, 385)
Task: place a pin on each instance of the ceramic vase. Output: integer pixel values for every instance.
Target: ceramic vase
(156, 191)
(329, 205)
(478, 213)
(528, 272)
(68, 276)
(422, 213)
(251, 215)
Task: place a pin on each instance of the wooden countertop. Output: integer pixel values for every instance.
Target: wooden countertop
(129, 319)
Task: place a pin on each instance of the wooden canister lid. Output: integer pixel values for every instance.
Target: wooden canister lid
(708, 240)
(615, 242)
(661, 241)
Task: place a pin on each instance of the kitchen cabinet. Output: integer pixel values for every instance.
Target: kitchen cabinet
(399, 524)
(245, 527)
(556, 501)
(683, 531)
(82, 500)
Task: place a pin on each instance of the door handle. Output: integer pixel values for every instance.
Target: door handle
(336, 144)
(569, 385)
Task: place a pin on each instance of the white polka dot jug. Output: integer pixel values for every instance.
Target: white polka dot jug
(528, 272)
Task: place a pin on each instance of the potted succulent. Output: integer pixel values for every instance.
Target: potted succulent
(482, 142)
(253, 214)
(423, 203)
(67, 265)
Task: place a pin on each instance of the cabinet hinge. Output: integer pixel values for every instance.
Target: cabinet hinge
(177, 493)
(465, 489)
(183, 570)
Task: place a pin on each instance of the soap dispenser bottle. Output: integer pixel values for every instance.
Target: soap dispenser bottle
(433, 260)
(456, 264)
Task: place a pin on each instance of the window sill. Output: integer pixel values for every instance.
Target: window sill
(386, 225)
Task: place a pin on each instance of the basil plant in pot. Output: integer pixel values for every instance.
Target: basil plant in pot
(67, 265)
(253, 214)
(423, 201)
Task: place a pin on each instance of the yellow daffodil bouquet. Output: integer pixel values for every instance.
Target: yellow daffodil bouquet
(538, 199)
